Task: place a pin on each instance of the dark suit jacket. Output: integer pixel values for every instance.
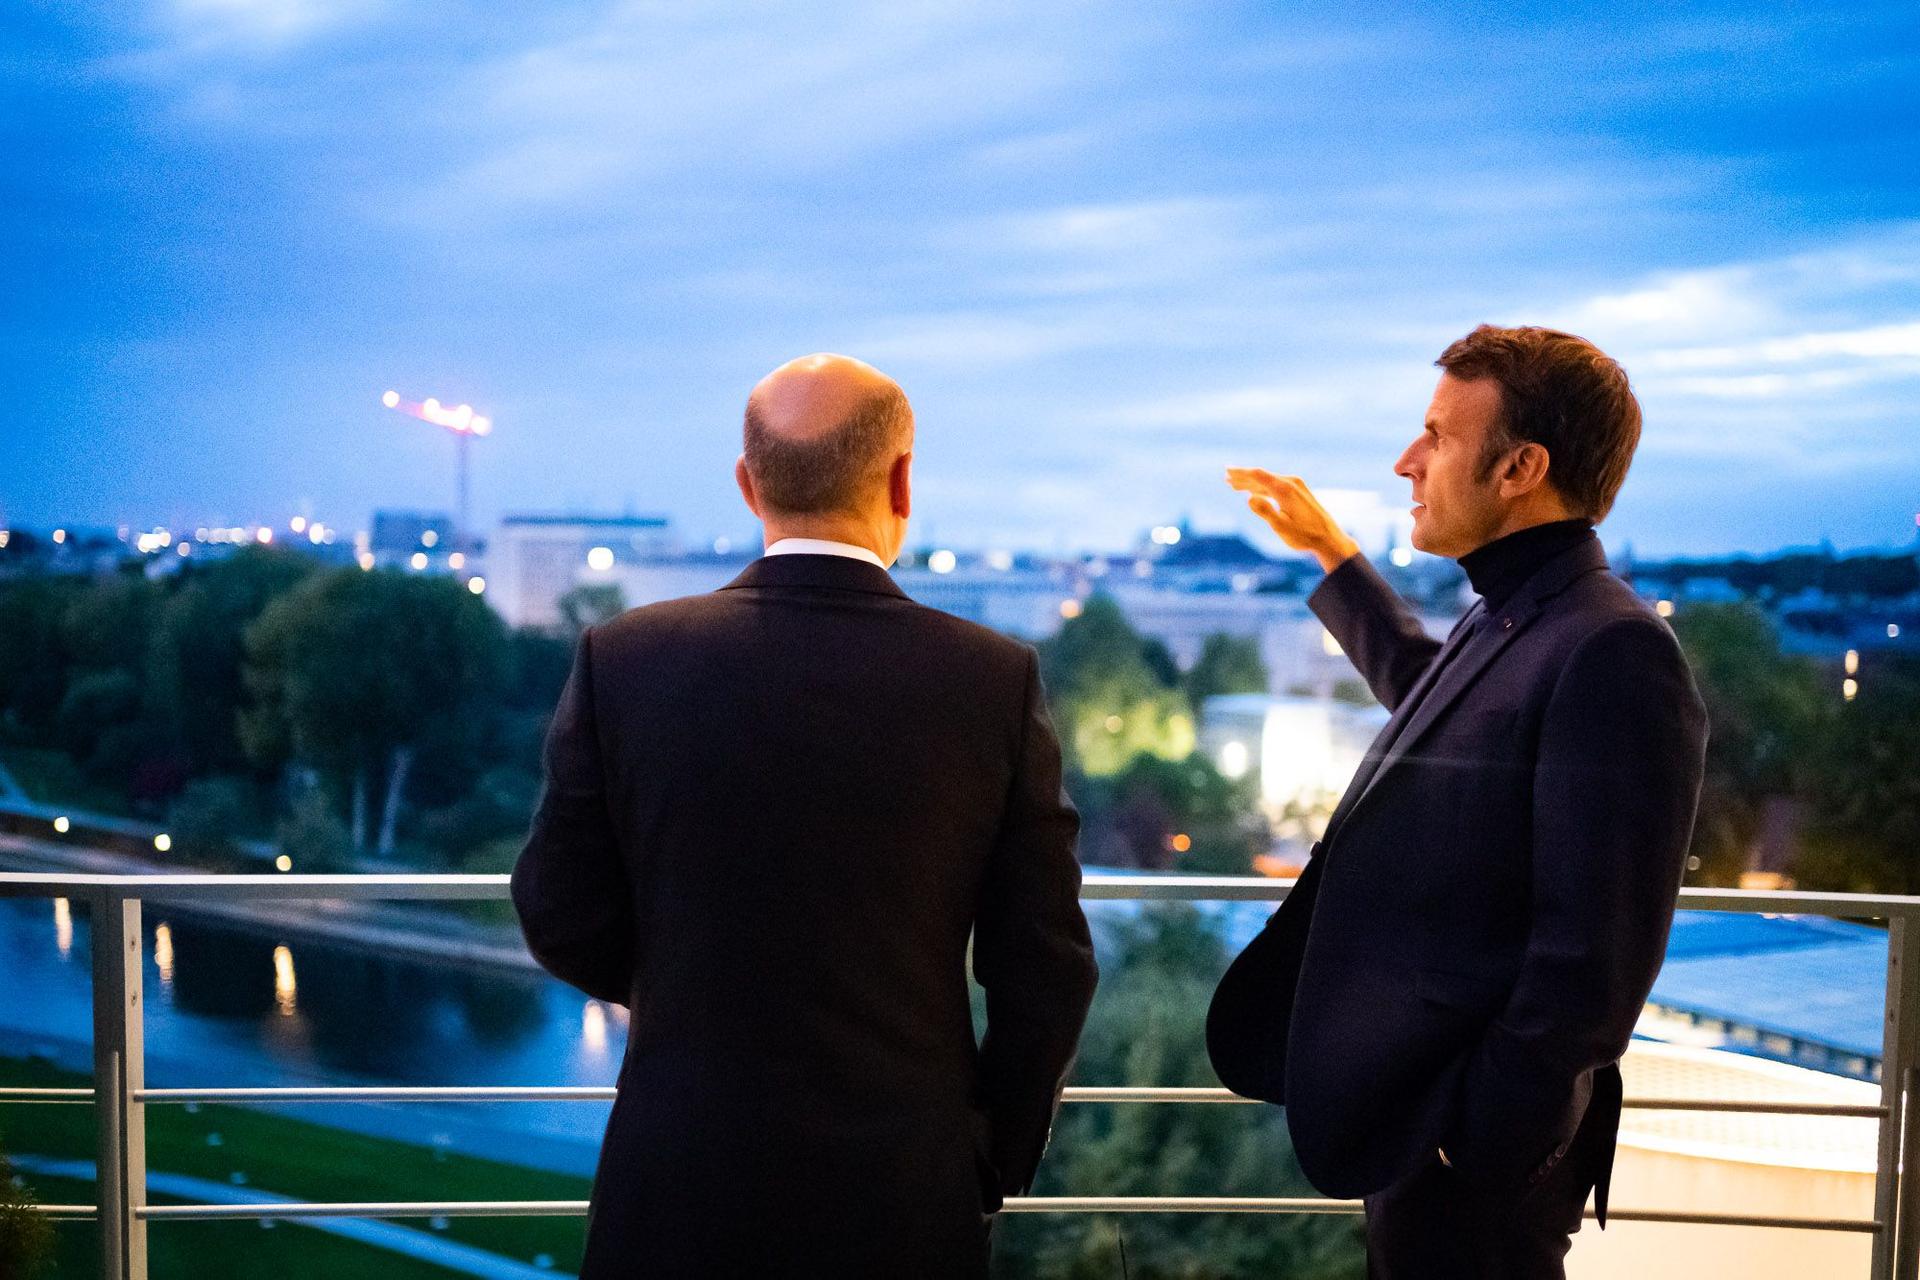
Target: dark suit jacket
(1462, 962)
(773, 817)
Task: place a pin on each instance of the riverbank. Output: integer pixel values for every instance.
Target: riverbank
(411, 930)
(271, 1155)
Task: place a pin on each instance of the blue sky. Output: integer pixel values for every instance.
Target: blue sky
(1108, 250)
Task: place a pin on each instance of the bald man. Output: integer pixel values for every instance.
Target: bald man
(773, 818)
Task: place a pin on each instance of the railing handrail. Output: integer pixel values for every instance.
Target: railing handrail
(1096, 886)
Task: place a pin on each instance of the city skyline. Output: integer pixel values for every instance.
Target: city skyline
(1107, 252)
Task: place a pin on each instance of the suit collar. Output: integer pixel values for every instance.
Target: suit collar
(832, 573)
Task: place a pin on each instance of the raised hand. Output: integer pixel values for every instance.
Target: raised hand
(1291, 510)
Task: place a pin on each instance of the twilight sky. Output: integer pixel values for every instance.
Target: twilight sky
(1108, 250)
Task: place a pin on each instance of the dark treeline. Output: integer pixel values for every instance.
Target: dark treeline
(340, 713)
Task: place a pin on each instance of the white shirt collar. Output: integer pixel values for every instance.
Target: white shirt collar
(821, 547)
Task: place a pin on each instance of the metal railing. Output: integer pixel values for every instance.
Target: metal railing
(121, 1097)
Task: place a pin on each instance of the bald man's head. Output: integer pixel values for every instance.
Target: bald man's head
(821, 434)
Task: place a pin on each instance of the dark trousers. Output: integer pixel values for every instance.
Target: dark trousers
(1432, 1226)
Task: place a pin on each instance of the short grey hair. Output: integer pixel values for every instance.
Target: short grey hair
(832, 470)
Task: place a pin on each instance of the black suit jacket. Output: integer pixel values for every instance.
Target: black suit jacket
(773, 818)
(1462, 961)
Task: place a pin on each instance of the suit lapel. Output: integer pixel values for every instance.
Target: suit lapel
(1431, 697)
(1391, 732)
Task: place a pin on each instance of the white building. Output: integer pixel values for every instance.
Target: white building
(535, 559)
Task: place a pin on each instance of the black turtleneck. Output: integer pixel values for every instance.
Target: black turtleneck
(1498, 569)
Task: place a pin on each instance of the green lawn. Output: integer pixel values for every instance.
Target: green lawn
(290, 1157)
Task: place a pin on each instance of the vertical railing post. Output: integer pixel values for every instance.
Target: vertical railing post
(119, 1070)
(1906, 1246)
(1897, 1057)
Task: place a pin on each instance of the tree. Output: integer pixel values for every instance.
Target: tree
(1864, 787)
(1164, 814)
(26, 1234)
(194, 679)
(33, 654)
(1108, 703)
(353, 671)
(1766, 712)
(1158, 973)
(1227, 664)
(589, 605)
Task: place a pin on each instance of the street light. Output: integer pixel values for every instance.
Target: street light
(464, 423)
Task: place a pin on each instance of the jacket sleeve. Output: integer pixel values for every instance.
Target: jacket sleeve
(1032, 954)
(1375, 628)
(570, 887)
(1616, 783)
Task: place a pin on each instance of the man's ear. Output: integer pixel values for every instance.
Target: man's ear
(1526, 470)
(900, 485)
(745, 481)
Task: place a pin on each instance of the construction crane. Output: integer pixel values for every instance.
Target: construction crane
(465, 425)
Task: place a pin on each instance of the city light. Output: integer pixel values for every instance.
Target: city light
(264, 534)
(1853, 662)
(298, 524)
(1115, 724)
(1165, 534)
(1893, 628)
(1234, 761)
(600, 559)
(62, 925)
(477, 585)
(429, 538)
(419, 560)
(184, 548)
(1849, 689)
(317, 534)
(1181, 842)
(1664, 608)
(456, 561)
(59, 535)
(1069, 609)
(942, 561)
(1000, 561)
(61, 824)
(283, 863)
(3, 538)
(1402, 556)
(391, 399)
(163, 842)
(366, 559)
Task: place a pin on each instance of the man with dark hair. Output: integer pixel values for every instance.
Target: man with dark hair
(1443, 998)
(774, 818)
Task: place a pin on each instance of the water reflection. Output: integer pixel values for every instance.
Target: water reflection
(163, 956)
(284, 986)
(63, 927)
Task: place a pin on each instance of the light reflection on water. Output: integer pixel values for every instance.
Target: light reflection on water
(163, 956)
(285, 989)
(63, 927)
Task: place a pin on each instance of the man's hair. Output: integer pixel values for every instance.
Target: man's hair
(831, 470)
(1560, 392)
